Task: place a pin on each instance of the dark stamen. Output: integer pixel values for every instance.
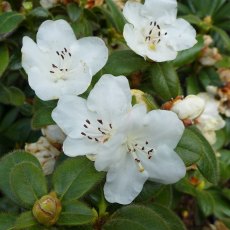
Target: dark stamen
(61, 69)
(96, 139)
(143, 148)
(149, 157)
(150, 150)
(159, 33)
(54, 66)
(146, 142)
(86, 126)
(100, 121)
(70, 54)
(57, 53)
(101, 131)
(90, 138)
(62, 56)
(83, 134)
(166, 33)
(88, 121)
(158, 26)
(138, 161)
(110, 125)
(150, 32)
(65, 50)
(51, 71)
(151, 23)
(155, 23)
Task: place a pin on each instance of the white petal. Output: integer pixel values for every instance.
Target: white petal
(123, 181)
(110, 97)
(157, 8)
(71, 114)
(55, 35)
(165, 166)
(43, 86)
(132, 11)
(110, 152)
(181, 35)
(134, 39)
(162, 53)
(32, 55)
(162, 127)
(92, 51)
(77, 147)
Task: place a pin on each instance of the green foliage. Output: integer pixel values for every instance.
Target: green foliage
(74, 178)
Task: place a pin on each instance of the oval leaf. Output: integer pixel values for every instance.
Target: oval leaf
(7, 163)
(28, 183)
(165, 81)
(75, 213)
(4, 58)
(73, 178)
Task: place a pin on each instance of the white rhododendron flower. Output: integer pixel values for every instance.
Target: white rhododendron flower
(154, 32)
(129, 143)
(59, 63)
(189, 107)
(45, 152)
(210, 120)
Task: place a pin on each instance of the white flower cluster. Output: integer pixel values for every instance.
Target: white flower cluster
(129, 143)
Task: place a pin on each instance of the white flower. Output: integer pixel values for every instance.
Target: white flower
(45, 152)
(210, 120)
(154, 32)
(129, 143)
(53, 134)
(59, 64)
(48, 3)
(188, 108)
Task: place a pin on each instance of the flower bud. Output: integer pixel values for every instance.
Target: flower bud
(93, 3)
(5, 6)
(207, 40)
(53, 134)
(188, 108)
(48, 3)
(45, 152)
(139, 97)
(224, 74)
(209, 56)
(47, 209)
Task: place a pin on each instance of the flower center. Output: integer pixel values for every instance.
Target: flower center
(99, 132)
(153, 35)
(135, 149)
(59, 70)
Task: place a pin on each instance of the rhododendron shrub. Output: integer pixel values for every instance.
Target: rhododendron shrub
(114, 114)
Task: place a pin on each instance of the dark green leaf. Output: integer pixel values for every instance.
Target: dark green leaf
(7, 221)
(189, 147)
(6, 165)
(124, 62)
(25, 221)
(74, 177)
(74, 11)
(4, 58)
(76, 213)
(8, 119)
(9, 21)
(28, 183)
(224, 35)
(117, 15)
(165, 81)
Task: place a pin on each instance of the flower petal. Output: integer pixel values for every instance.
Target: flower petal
(110, 97)
(181, 35)
(77, 147)
(165, 166)
(123, 181)
(163, 127)
(92, 51)
(157, 9)
(70, 115)
(55, 35)
(132, 11)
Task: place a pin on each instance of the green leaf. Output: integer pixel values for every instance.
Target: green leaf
(209, 76)
(4, 58)
(116, 14)
(189, 147)
(75, 177)
(165, 196)
(205, 202)
(174, 222)
(124, 62)
(8, 119)
(7, 221)
(28, 183)
(142, 218)
(188, 56)
(17, 97)
(39, 12)
(6, 165)
(74, 11)
(224, 36)
(9, 21)
(224, 162)
(25, 221)
(165, 81)
(42, 113)
(226, 193)
(193, 19)
(193, 86)
(76, 213)
(185, 187)
(220, 139)
(207, 164)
